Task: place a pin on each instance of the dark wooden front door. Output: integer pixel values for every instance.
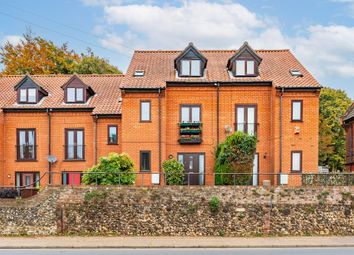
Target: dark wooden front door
(191, 168)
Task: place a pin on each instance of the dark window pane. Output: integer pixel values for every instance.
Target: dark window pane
(145, 161)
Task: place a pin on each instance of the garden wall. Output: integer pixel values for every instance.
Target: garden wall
(182, 211)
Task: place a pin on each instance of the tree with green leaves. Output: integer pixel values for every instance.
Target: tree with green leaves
(235, 156)
(112, 170)
(333, 105)
(36, 55)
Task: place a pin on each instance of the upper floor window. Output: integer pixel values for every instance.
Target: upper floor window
(29, 92)
(28, 95)
(296, 161)
(246, 119)
(190, 68)
(145, 111)
(75, 95)
(190, 113)
(74, 144)
(190, 63)
(112, 134)
(76, 91)
(244, 62)
(26, 144)
(296, 110)
(245, 67)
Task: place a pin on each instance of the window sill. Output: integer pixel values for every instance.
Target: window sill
(298, 121)
(112, 144)
(74, 160)
(145, 171)
(145, 121)
(26, 160)
(296, 172)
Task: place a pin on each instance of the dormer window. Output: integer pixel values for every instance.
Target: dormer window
(190, 63)
(76, 91)
(75, 95)
(28, 95)
(29, 92)
(245, 62)
(245, 67)
(190, 68)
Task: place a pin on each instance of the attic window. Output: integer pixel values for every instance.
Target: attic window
(296, 73)
(139, 73)
(190, 68)
(28, 95)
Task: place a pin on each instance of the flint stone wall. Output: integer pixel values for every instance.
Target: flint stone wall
(181, 211)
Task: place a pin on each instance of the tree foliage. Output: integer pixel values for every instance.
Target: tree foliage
(36, 55)
(107, 169)
(235, 155)
(333, 105)
(174, 172)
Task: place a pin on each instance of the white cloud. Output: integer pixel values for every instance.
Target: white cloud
(325, 50)
(13, 39)
(208, 25)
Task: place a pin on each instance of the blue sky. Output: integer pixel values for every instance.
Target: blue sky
(319, 32)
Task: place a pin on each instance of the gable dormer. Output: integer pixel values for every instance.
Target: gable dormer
(190, 63)
(29, 92)
(245, 63)
(76, 91)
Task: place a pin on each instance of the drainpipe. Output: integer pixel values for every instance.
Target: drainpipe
(49, 145)
(217, 84)
(95, 120)
(160, 155)
(281, 132)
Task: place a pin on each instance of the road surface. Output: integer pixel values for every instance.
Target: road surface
(227, 251)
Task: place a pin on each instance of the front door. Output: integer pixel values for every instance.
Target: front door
(193, 168)
(27, 180)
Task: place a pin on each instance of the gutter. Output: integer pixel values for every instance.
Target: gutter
(49, 145)
(217, 84)
(159, 135)
(281, 132)
(95, 120)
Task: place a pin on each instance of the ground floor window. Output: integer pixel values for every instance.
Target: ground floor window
(194, 165)
(27, 179)
(71, 178)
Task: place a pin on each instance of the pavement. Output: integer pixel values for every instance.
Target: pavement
(92, 242)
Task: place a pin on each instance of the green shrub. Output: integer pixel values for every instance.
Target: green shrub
(214, 204)
(234, 157)
(174, 172)
(108, 168)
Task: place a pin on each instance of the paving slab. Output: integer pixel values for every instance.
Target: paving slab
(171, 242)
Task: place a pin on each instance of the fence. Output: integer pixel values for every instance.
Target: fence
(145, 179)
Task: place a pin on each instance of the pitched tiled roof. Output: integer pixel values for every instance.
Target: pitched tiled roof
(159, 69)
(105, 100)
(349, 114)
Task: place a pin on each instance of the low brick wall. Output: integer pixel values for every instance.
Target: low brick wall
(182, 211)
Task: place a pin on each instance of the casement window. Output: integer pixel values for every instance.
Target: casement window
(190, 113)
(190, 67)
(296, 110)
(145, 111)
(74, 144)
(296, 161)
(145, 161)
(27, 180)
(26, 144)
(28, 95)
(245, 67)
(112, 134)
(74, 95)
(246, 119)
(71, 178)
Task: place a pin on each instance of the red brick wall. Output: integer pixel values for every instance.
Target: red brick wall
(59, 121)
(144, 136)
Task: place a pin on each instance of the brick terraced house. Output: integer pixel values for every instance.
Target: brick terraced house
(348, 123)
(169, 104)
